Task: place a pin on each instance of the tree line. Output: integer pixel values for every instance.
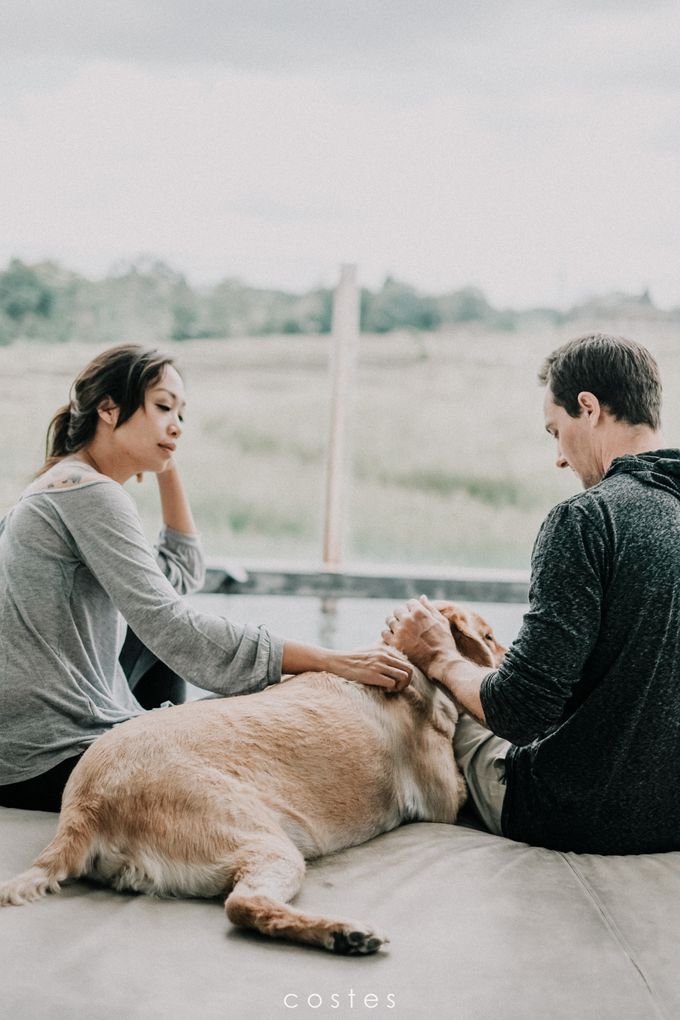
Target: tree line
(149, 301)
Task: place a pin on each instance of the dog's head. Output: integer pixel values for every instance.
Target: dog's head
(472, 634)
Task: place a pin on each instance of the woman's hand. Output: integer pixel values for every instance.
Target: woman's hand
(376, 667)
(170, 465)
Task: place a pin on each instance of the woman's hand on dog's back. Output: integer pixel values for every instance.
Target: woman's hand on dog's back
(376, 667)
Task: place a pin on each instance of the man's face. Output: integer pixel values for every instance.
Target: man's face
(575, 441)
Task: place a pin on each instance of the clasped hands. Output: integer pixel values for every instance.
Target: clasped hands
(424, 636)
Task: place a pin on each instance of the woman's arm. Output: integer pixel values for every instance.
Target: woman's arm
(174, 502)
(378, 667)
(206, 650)
(178, 551)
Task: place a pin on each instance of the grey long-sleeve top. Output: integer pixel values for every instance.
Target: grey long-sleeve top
(74, 566)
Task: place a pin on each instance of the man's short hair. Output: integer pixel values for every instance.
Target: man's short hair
(622, 374)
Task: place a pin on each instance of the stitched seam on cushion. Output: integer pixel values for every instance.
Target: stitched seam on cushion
(614, 929)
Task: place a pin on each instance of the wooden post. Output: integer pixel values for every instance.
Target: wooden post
(345, 330)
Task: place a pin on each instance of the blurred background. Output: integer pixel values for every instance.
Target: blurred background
(504, 175)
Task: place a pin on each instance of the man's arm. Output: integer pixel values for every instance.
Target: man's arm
(425, 637)
(463, 680)
(527, 695)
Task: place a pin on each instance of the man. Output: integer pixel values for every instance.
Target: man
(574, 742)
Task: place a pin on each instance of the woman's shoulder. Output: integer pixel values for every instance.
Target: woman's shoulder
(66, 475)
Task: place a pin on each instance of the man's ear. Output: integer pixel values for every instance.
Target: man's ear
(590, 406)
(108, 412)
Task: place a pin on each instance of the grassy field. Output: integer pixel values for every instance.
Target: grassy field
(451, 466)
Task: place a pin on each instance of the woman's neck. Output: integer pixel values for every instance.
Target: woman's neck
(105, 462)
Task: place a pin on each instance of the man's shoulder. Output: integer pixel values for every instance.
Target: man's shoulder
(579, 507)
(582, 518)
(591, 502)
(596, 515)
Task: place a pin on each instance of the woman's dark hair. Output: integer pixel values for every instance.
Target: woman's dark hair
(121, 374)
(622, 374)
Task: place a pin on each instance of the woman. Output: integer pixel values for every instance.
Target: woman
(75, 565)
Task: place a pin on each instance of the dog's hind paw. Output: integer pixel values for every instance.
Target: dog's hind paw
(30, 885)
(354, 942)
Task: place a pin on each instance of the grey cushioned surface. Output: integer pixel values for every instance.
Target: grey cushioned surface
(481, 928)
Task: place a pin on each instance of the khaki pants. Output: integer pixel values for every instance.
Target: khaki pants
(480, 755)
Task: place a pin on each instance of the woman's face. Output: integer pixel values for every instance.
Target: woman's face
(149, 438)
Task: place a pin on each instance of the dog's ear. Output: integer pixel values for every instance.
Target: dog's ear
(472, 635)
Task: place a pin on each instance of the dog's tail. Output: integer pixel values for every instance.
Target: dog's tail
(67, 856)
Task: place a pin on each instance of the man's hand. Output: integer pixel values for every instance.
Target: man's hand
(424, 635)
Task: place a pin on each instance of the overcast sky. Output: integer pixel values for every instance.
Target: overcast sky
(530, 149)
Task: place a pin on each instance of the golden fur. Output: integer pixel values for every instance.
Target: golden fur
(236, 793)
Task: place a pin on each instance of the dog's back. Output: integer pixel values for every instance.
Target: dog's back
(236, 793)
(330, 762)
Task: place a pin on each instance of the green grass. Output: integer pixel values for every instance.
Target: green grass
(451, 465)
(497, 492)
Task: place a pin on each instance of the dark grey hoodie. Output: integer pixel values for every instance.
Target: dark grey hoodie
(589, 693)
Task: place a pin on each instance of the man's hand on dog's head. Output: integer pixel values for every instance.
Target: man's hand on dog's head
(423, 635)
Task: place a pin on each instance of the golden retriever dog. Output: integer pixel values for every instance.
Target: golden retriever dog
(232, 795)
